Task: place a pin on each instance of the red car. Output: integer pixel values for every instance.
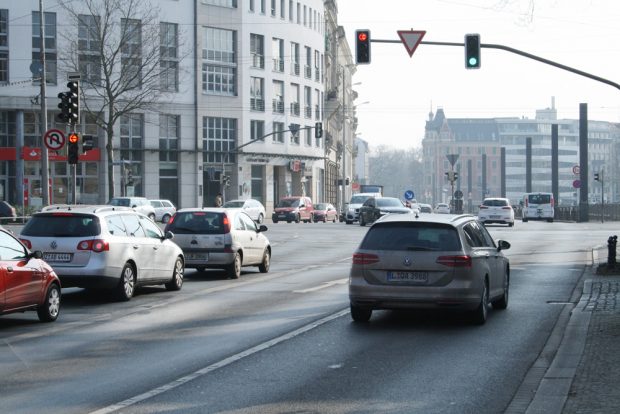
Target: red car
(324, 212)
(26, 281)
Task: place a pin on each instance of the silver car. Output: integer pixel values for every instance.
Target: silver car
(224, 238)
(140, 204)
(105, 247)
(253, 208)
(430, 261)
(164, 209)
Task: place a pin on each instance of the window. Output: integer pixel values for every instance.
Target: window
(262, 6)
(295, 58)
(291, 10)
(257, 129)
(257, 49)
(294, 99)
(295, 135)
(4, 45)
(132, 145)
(219, 68)
(49, 27)
(308, 102)
(89, 45)
(298, 13)
(308, 137)
(305, 15)
(257, 94)
(308, 65)
(168, 137)
(278, 128)
(317, 66)
(273, 8)
(282, 10)
(219, 139)
(278, 54)
(252, 5)
(225, 3)
(278, 97)
(317, 109)
(131, 53)
(169, 55)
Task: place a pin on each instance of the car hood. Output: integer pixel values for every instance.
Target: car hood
(402, 210)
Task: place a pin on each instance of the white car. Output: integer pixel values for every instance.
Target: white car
(139, 204)
(253, 208)
(164, 209)
(538, 206)
(442, 208)
(496, 210)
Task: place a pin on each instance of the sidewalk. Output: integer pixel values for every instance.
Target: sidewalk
(584, 376)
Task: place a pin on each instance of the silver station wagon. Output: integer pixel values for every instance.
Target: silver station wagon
(224, 238)
(430, 261)
(105, 247)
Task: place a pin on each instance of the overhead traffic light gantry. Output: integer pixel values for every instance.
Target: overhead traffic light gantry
(362, 46)
(472, 51)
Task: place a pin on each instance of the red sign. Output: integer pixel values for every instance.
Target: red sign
(54, 139)
(34, 154)
(576, 184)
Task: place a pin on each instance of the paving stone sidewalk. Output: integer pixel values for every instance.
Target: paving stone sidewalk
(596, 385)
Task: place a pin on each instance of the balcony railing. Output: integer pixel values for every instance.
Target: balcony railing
(278, 65)
(308, 111)
(278, 106)
(257, 104)
(258, 61)
(308, 72)
(317, 112)
(295, 108)
(317, 75)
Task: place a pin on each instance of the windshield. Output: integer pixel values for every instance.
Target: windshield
(62, 225)
(288, 202)
(234, 204)
(124, 202)
(495, 203)
(389, 202)
(320, 206)
(197, 222)
(539, 199)
(359, 199)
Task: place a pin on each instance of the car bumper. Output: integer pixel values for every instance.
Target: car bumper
(95, 277)
(212, 259)
(284, 217)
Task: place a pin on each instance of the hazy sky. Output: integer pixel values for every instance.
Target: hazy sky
(584, 34)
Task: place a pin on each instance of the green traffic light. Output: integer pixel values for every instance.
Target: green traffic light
(473, 61)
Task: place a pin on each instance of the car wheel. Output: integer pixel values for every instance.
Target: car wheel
(349, 222)
(550, 220)
(261, 219)
(511, 224)
(177, 276)
(165, 218)
(479, 316)
(234, 269)
(360, 314)
(362, 223)
(502, 303)
(127, 284)
(524, 220)
(152, 216)
(264, 266)
(297, 219)
(274, 221)
(48, 311)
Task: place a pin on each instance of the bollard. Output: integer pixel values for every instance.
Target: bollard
(612, 241)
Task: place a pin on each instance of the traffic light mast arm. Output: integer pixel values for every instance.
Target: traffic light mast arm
(268, 135)
(517, 52)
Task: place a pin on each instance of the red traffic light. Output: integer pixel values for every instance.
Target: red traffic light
(74, 138)
(362, 46)
(362, 36)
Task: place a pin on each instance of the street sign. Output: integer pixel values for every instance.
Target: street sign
(54, 139)
(458, 194)
(409, 195)
(576, 184)
(452, 158)
(576, 170)
(411, 39)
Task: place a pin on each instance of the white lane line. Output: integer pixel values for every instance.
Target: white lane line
(227, 361)
(323, 286)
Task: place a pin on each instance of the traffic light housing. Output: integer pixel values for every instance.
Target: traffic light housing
(64, 104)
(74, 102)
(362, 46)
(472, 51)
(318, 130)
(596, 177)
(88, 143)
(456, 176)
(73, 152)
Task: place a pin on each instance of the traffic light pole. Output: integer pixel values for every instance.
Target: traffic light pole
(45, 174)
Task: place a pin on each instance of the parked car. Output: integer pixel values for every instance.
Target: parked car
(164, 209)
(353, 209)
(7, 211)
(324, 212)
(430, 261)
(221, 238)
(26, 281)
(496, 210)
(376, 207)
(293, 209)
(538, 206)
(105, 247)
(253, 208)
(425, 208)
(442, 208)
(140, 204)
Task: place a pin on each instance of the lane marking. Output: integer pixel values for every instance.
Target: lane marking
(323, 286)
(220, 364)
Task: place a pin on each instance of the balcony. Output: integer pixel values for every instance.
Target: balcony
(308, 111)
(295, 108)
(258, 61)
(295, 69)
(278, 65)
(317, 75)
(257, 104)
(307, 72)
(278, 106)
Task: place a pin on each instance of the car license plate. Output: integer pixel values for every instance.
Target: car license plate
(57, 257)
(197, 256)
(495, 217)
(420, 277)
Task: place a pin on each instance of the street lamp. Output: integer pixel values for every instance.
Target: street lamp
(344, 139)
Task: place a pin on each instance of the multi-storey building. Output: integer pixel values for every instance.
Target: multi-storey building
(236, 77)
(478, 143)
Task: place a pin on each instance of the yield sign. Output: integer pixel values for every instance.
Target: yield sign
(411, 39)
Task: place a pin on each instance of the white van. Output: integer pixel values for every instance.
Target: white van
(538, 206)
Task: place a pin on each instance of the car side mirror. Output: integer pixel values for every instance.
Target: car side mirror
(502, 245)
(169, 235)
(261, 228)
(37, 254)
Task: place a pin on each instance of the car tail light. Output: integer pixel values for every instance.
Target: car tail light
(26, 243)
(171, 220)
(506, 208)
(228, 248)
(365, 258)
(552, 201)
(96, 245)
(455, 261)
(526, 202)
(226, 223)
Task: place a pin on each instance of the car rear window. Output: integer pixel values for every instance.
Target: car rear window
(539, 199)
(123, 202)
(412, 237)
(234, 204)
(495, 203)
(288, 202)
(62, 225)
(197, 222)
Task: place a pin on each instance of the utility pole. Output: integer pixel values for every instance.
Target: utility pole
(45, 179)
(344, 141)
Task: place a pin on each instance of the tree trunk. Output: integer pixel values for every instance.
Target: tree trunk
(110, 154)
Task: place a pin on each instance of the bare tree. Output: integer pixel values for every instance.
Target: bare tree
(117, 53)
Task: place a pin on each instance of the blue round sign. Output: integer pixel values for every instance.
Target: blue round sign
(409, 195)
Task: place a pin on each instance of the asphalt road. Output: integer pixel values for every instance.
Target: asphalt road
(284, 341)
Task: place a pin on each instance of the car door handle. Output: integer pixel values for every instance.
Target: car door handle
(155, 247)
(9, 269)
(136, 247)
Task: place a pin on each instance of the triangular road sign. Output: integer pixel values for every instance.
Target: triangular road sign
(411, 39)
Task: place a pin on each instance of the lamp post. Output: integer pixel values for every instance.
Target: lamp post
(344, 141)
